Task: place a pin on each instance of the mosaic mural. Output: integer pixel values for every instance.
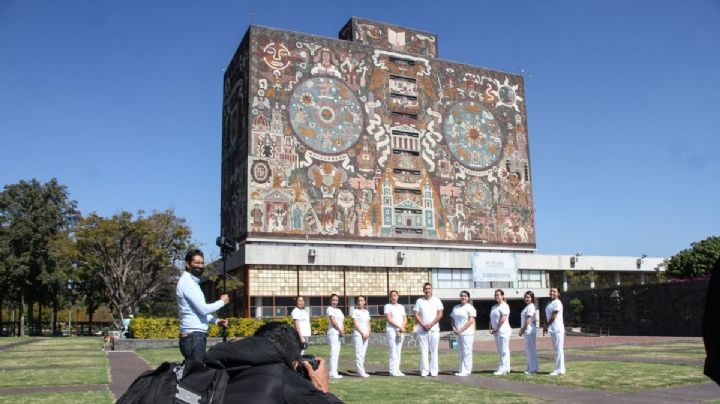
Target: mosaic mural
(365, 139)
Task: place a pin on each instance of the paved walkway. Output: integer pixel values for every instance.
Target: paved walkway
(125, 367)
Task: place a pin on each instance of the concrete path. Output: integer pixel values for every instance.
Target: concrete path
(125, 367)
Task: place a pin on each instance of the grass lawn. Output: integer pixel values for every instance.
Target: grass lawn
(89, 363)
(54, 377)
(669, 351)
(83, 359)
(416, 390)
(614, 376)
(605, 375)
(88, 397)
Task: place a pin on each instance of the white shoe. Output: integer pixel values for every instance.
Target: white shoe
(433, 375)
(363, 375)
(336, 377)
(530, 373)
(423, 374)
(556, 373)
(462, 374)
(500, 372)
(399, 374)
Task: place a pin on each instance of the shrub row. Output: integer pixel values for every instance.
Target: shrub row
(165, 327)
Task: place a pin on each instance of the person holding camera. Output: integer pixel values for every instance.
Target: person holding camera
(194, 314)
(335, 333)
(268, 368)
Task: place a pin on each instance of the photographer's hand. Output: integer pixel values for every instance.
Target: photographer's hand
(319, 377)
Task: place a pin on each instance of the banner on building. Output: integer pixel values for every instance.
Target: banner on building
(494, 267)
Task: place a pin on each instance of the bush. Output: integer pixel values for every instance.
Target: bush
(576, 308)
(165, 327)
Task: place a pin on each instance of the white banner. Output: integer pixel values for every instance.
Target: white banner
(494, 267)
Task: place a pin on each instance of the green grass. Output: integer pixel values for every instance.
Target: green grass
(614, 376)
(87, 397)
(54, 377)
(416, 390)
(26, 352)
(48, 361)
(669, 351)
(155, 356)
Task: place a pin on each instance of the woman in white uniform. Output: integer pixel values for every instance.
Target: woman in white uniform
(501, 329)
(301, 321)
(361, 334)
(528, 330)
(463, 324)
(556, 327)
(395, 332)
(336, 331)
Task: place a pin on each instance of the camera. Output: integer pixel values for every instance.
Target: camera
(226, 245)
(312, 360)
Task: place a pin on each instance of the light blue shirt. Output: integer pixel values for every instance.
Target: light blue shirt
(193, 312)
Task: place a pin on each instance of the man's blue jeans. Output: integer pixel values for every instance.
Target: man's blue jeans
(193, 346)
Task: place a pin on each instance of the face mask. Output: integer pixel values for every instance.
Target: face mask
(197, 271)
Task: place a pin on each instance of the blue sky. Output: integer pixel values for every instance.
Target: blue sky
(121, 101)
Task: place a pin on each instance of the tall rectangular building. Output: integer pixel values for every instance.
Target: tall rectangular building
(363, 164)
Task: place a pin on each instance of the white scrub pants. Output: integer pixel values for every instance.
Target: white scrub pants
(394, 350)
(531, 350)
(428, 341)
(334, 342)
(465, 350)
(558, 340)
(360, 349)
(502, 341)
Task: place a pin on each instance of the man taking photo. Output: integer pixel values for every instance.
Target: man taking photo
(193, 312)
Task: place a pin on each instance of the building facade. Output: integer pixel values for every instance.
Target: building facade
(364, 164)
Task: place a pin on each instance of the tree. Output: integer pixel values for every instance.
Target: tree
(696, 261)
(135, 257)
(32, 215)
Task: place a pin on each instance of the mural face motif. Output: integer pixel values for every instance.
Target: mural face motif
(276, 56)
(325, 115)
(372, 138)
(473, 135)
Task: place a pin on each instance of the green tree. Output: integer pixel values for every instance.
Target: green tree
(32, 215)
(135, 257)
(698, 260)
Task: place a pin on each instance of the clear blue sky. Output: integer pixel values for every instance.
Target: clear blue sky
(121, 101)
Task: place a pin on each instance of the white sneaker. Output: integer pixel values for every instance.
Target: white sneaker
(433, 374)
(500, 372)
(336, 377)
(399, 374)
(423, 374)
(556, 373)
(363, 375)
(462, 374)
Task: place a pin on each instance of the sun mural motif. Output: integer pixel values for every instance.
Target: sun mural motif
(473, 135)
(325, 115)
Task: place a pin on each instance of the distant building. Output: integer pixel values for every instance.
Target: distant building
(364, 164)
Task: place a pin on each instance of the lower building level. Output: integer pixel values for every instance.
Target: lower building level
(273, 274)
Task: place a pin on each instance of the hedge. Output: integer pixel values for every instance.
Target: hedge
(166, 327)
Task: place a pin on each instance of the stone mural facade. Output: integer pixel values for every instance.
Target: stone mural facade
(372, 138)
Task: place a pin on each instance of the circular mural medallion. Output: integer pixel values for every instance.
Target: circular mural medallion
(325, 115)
(260, 171)
(473, 135)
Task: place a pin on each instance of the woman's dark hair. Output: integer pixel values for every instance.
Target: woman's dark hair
(465, 292)
(532, 296)
(501, 293)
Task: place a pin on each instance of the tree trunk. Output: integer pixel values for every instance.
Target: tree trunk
(38, 330)
(22, 315)
(30, 315)
(54, 315)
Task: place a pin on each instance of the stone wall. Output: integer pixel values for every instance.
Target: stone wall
(666, 309)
